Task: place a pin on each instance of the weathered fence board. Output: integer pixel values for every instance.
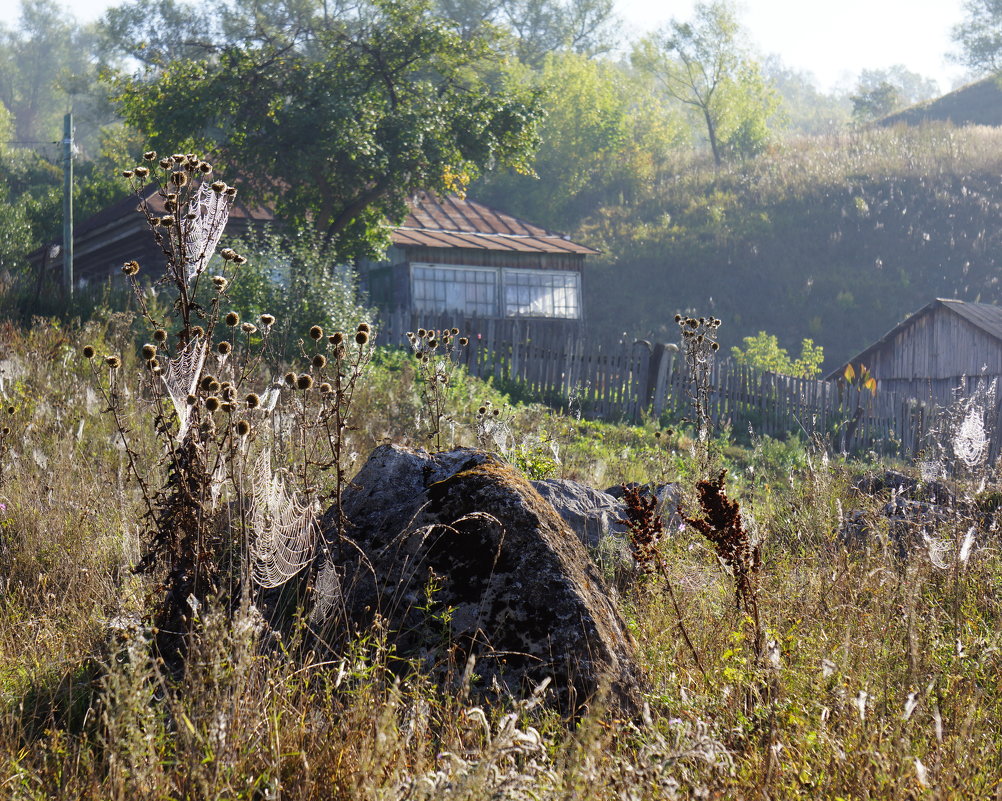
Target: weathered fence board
(628, 380)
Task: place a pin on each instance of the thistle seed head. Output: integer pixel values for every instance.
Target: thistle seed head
(113, 362)
(252, 401)
(212, 403)
(316, 332)
(336, 338)
(88, 351)
(362, 337)
(232, 319)
(149, 352)
(305, 381)
(224, 348)
(248, 328)
(290, 379)
(242, 428)
(142, 172)
(130, 267)
(267, 320)
(319, 361)
(219, 282)
(149, 155)
(160, 335)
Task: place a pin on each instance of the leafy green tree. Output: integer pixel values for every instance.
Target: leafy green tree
(980, 36)
(804, 108)
(339, 127)
(538, 27)
(605, 133)
(289, 276)
(704, 65)
(763, 351)
(881, 92)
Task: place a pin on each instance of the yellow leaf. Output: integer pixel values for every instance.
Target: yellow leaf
(871, 384)
(849, 373)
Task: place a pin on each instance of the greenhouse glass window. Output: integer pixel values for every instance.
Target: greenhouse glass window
(542, 293)
(468, 290)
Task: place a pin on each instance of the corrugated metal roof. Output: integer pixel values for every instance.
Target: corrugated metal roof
(983, 315)
(453, 222)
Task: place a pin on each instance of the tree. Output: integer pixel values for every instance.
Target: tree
(538, 27)
(881, 92)
(980, 36)
(763, 351)
(703, 64)
(337, 123)
(605, 132)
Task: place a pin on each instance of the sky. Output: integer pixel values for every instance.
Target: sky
(831, 40)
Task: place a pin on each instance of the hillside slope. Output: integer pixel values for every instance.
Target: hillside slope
(836, 238)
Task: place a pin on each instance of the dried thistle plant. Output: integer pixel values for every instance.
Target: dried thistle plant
(221, 521)
(437, 354)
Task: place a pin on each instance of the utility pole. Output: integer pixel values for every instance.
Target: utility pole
(68, 204)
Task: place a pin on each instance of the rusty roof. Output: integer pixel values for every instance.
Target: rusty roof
(130, 204)
(453, 222)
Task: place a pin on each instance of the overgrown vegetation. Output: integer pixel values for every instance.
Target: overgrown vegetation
(875, 677)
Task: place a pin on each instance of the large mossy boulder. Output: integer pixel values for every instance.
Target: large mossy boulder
(461, 557)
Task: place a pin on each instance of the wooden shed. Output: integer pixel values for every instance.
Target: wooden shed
(455, 255)
(942, 346)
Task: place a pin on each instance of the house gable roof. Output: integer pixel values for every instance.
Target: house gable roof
(453, 222)
(984, 316)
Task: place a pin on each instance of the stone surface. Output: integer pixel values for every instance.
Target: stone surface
(461, 556)
(590, 513)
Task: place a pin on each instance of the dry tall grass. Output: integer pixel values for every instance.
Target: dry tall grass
(878, 679)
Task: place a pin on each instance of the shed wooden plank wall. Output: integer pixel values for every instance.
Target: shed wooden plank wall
(937, 345)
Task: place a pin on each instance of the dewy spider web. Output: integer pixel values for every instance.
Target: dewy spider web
(283, 530)
(180, 376)
(202, 233)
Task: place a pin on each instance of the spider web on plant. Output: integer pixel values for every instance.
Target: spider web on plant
(180, 377)
(283, 530)
(211, 210)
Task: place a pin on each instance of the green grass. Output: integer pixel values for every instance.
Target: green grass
(86, 713)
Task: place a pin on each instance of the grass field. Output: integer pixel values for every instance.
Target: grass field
(879, 676)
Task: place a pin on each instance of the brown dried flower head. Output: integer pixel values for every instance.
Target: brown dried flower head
(290, 379)
(242, 428)
(142, 172)
(252, 401)
(113, 362)
(130, 267)
(362, 337)
(224, 348)
(160, 335)
(232, 319)
(305, 381)
(149, 155)
(336, 338)
(149, 352)
(319, 361)
(267, 320)
(316, 332)
(248, 328)
(212, 403)
(88, 351)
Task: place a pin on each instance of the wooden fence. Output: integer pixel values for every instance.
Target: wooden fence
(554, 361)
